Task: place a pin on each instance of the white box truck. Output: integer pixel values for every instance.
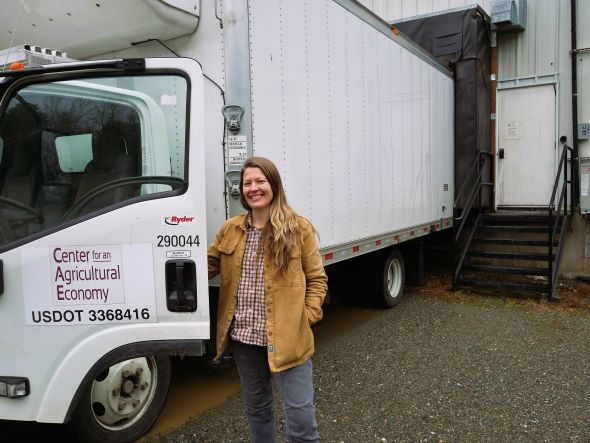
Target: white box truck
(116, 172)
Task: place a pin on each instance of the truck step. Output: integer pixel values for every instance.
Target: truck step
(506, 269)
(510, 255)
(506, 285)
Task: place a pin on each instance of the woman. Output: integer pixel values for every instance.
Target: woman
(272, 288)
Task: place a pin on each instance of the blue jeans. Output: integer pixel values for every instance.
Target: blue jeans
(295, 385)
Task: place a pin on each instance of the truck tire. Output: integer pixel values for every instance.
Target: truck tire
(389, 279)
(122, 403)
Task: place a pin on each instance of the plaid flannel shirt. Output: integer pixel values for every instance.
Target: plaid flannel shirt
(249, 324)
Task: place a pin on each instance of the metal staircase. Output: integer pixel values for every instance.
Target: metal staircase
(514, 250)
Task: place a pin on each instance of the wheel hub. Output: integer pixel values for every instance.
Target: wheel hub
(127, 387)
(394, 278)
(119, 398)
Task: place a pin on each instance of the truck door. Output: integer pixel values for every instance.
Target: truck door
(102, 241)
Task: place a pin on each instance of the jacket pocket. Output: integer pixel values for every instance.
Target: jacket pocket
(294, 276)
(227, 249)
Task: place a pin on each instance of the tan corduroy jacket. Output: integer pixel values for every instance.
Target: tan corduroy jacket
(293, 301)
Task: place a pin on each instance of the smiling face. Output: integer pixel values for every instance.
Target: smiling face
(256, 189)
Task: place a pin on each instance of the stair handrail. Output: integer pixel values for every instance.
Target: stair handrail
(459, 262)
(480, 161)
(475, 177)
(557, 218)
(562, 160)
(477, 160)
(470, 201)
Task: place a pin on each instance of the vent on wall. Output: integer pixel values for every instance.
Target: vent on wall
(508, 15)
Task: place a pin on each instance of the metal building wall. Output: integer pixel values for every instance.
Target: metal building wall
(576, 260)
(536, 55)
(540, 55)
(584, 60)
(536, 50)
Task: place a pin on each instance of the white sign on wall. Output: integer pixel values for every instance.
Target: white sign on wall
(512, 131)
(64, 285)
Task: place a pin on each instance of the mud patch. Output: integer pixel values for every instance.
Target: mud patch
(574, 294)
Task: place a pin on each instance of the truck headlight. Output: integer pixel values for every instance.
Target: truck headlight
(14, 387)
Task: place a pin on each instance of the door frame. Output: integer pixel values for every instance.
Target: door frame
(520, 83)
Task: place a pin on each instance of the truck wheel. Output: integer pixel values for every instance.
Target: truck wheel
(122, 403)
(389, 280)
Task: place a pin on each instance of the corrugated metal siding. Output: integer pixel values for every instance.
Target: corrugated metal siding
(391, 10)
(583, 30)
(583, 36)
(534, 51)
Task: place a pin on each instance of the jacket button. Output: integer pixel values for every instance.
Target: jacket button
(270, 333)
(268, 310)
(268, 288)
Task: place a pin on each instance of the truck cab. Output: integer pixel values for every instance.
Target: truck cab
(103, 279)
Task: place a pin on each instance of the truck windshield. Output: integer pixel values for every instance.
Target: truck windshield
(72, 148)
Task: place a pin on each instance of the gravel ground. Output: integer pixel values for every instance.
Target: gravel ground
(434, 370)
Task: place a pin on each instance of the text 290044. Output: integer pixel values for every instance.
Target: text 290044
(177, 241)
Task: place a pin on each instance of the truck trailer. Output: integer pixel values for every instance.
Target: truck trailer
(120, 152)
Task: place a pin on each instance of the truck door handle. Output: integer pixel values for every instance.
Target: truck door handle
(181, 285)
(501, 153)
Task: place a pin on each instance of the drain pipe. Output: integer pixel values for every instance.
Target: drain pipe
(493, 92)
(575, 156)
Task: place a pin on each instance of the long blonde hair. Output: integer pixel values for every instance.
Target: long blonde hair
(285, 231)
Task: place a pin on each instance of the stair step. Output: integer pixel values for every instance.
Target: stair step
(514, 228)
(510, 255)
(506, 285)
(506, 269)
(513, 241)
(516, 218)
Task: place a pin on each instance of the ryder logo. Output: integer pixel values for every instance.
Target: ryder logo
(176, 220)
